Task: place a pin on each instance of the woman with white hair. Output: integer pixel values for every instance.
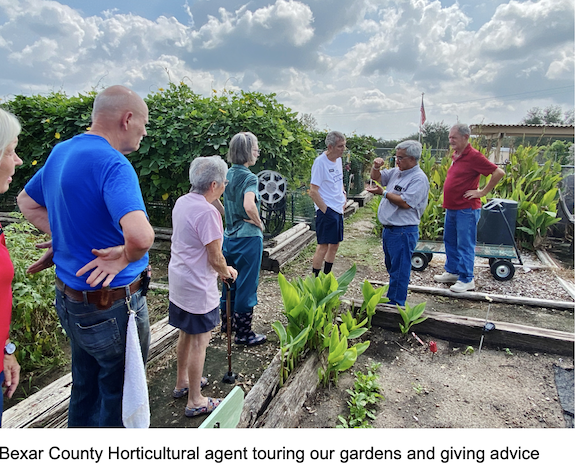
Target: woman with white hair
(9, 368)
(243, 237)
(196, 261)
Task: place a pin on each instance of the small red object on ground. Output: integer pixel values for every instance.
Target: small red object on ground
(433, 347)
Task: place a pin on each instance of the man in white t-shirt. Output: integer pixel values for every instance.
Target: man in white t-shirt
(327, 192)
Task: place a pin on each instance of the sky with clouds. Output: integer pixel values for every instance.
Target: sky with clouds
(358, 66)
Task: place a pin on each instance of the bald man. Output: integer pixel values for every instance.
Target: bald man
(87, 197)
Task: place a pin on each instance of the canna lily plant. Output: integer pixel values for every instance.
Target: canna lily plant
(411, 316)
(311, 306)
(339, 357)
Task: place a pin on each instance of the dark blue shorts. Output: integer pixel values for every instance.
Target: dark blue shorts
(329, 227)
(192, 323)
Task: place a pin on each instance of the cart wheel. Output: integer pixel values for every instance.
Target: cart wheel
(502, 270)
(491, 261)
(429, 256)
(419, 261)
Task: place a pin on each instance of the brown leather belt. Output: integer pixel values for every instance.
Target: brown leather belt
(103, 298)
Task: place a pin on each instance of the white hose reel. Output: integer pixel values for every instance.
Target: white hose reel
(272, 188)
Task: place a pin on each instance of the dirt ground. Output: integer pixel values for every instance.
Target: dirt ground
(493, 388)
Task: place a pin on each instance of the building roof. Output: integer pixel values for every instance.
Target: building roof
(527, 130)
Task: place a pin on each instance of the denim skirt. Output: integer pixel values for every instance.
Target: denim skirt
(192, 323)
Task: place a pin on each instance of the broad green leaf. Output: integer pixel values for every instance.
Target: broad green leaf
(348, 360)
(289, 294)
(345, 279)
(280, 331)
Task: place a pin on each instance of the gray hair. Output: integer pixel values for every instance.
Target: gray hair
(204, 170)
(462, 129)
(412, 147)
(333, 138)
(240, 150)
(9, 130)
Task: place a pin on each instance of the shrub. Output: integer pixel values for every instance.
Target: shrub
(183, 125)
(35, 327)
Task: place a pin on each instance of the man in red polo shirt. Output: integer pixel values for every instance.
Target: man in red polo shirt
(462, 204)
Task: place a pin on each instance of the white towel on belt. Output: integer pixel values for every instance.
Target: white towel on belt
(135, 403)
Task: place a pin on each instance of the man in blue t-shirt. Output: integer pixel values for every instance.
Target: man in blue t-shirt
(327, 192)
(87, 197)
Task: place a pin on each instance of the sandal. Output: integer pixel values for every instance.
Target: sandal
(212, 405)
(182, 392)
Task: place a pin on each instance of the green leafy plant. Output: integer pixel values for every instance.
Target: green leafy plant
(469, 350)
(340, 357)
(418, 388)
(35, 327)
(183, 125)
(372, 298)
(411, 316)
(363, 397)
(311, 306)
(534, 187)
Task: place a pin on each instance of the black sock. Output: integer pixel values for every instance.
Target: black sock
(328, 267)
(316, 271)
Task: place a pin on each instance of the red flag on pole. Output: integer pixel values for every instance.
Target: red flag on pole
(422, 113)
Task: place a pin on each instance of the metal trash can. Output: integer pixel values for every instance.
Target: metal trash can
(492, 228)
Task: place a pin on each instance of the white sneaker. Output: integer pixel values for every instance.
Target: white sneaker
(446, 278)
(461, 287)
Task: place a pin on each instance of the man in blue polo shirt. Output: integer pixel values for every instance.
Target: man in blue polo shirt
(327, 192)
(403, 203)
(87, 197)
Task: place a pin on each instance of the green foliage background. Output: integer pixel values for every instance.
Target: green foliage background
(35, 327)
(183, 125)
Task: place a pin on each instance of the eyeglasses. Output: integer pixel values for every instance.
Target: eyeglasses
(226, 182)
(257, 151)
(400, 158)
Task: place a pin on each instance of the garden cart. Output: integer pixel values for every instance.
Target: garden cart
(500, 256)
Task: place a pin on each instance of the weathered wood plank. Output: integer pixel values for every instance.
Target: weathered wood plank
(288, 253)
(261, 394)
(363, 198)
(284, 409)
(350, 208)
(477, 296)
(289, 233)
(548, 260)
(463, 329)
(270, 252)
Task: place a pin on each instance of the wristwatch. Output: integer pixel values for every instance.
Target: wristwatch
(9, 348)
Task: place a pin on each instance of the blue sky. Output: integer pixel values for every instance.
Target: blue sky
(359, 66)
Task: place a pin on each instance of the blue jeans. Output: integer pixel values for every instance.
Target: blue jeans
(245, 255)
(98, 344)
(399, 244)
(460, 242)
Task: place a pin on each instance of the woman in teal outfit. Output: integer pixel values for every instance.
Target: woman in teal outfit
(243, 237)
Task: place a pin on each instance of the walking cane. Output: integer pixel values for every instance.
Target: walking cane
(230, 377)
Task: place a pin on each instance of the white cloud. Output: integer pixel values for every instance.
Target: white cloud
(285, 21)
(356, 63)
(562, 67)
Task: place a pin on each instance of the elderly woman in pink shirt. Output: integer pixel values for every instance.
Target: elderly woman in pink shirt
(196, 261)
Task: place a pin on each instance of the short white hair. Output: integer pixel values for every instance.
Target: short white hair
(204, 170)
(462, 129)
(333, 138)
(9, 130)
(412, 147)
